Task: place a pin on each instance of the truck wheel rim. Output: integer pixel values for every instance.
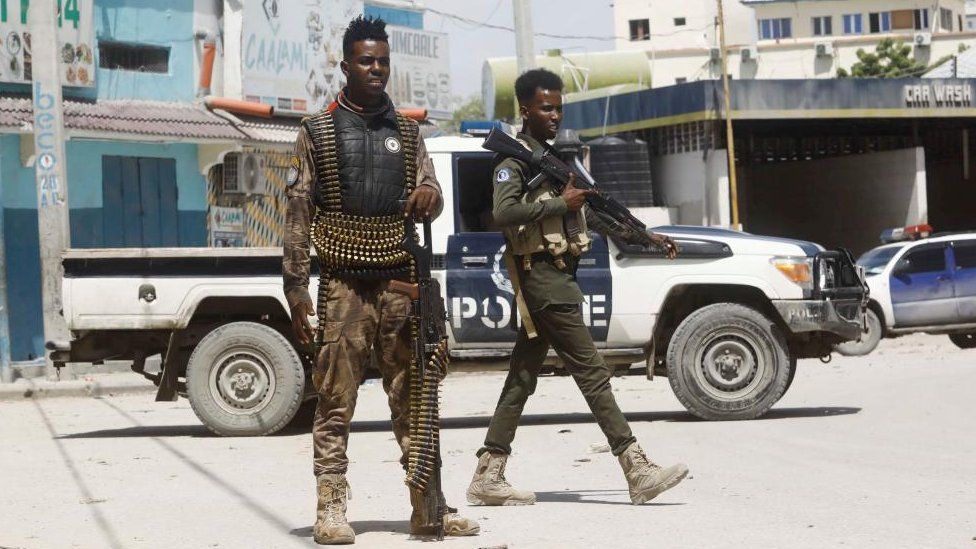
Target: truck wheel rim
(241, 381)
(731, 365)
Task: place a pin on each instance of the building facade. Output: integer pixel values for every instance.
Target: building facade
(149, 160)
(784, 38)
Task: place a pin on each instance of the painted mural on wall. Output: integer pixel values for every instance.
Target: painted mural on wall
(75, 42)
(421, 76)
(291, 51)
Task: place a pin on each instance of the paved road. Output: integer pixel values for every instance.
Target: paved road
(871, 452)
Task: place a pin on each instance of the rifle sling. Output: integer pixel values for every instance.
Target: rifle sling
(523, 309)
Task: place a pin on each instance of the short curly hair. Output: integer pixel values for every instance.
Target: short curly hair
(363, 28)
(536, 79)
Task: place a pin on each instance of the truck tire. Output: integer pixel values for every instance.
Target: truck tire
(245, 379)
(964, 341)
(728, 361)
(870, 337)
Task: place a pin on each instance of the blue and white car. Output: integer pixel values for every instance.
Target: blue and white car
(926, 285)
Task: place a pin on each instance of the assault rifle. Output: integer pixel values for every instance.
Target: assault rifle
(557, 171)
(427, 368)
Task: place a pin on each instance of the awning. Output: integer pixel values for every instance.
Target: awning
(838, 98)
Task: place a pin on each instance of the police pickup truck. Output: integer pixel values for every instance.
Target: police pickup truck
(725, 322)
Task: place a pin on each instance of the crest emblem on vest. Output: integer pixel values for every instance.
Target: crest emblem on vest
(503, 175)
(295, 166)
(392, 144)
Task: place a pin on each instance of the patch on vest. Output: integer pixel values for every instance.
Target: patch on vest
(294, 169)
(392, 144)
(503, 175)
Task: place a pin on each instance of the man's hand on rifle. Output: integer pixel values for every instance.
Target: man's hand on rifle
(575, 198)
(422, 203)
(299, 322)
(663, 243)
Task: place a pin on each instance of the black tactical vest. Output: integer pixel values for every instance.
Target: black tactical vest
(371, 162)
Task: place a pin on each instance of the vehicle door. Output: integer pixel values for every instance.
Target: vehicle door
(921, 285)
(480, 296)
(964, 278)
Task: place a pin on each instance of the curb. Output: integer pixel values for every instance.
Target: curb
(37, 388)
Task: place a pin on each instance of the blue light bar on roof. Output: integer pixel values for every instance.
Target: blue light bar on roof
(480, 128)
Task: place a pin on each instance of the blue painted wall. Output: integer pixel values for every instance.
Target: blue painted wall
(393, 16)
(152, 22)
(86, 218)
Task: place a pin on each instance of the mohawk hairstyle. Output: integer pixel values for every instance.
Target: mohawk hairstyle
(534, 79)
(363, 28)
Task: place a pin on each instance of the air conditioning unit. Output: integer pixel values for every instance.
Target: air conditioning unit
(242, 174)
(715, 55)
(749, 53)
(923, 39)
(824, 49)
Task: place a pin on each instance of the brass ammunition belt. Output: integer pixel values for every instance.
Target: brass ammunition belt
(354, 244)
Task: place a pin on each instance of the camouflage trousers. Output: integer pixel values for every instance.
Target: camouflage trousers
(365, 323)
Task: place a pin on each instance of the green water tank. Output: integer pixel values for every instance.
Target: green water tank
(579, 71)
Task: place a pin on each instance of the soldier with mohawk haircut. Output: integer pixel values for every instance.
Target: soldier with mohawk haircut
(354, 163)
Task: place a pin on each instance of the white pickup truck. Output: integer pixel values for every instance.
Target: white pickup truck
(725, 322)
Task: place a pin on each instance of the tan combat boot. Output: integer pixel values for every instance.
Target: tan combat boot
(331, 527)
(489, 487)
(645, 479)
(454, 523)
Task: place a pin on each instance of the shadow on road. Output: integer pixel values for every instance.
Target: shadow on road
(471, 422)
(363, 526)
(587, 496)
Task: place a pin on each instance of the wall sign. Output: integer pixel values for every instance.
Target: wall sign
(75, 42)
(938, 95)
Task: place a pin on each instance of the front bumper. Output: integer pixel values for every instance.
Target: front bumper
(844, 317)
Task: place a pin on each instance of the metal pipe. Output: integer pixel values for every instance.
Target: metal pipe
(206, 68)
(238, 106)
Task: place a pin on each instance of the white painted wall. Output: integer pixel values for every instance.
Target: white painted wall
(206, 18)
(694, 183)
(697, 32)
(845, 201)
(802, 12)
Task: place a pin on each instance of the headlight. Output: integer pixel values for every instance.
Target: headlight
(798, 269)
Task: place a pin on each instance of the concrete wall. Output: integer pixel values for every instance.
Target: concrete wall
(845, 201)
(696, 184)
(697, 32)
(87, 226)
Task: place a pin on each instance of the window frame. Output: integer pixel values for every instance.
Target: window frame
(634, 25)
(970, 245)
(680, 21)
(940, 246)
(825, 24)
(853, 23)
(109, 50)
(776, 28)
(921, 19)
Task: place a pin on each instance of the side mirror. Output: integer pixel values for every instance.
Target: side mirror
(902, 266)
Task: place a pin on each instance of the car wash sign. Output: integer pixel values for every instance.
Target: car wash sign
(75, 41)
(291, 49)
(420, 75)
(938, 94)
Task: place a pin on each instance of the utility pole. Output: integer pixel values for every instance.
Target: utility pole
(524, 50)
(6, 374)
(729, 137)
(49, 164)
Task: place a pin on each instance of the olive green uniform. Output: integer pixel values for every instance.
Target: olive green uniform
(553, 297)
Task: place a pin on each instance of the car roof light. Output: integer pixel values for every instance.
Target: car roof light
(902, 234)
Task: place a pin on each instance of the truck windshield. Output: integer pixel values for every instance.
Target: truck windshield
(875, 260)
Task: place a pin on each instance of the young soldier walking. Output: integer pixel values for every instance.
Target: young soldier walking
(354, 162)
(545, 257)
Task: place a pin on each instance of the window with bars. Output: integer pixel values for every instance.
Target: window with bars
(133, 57)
